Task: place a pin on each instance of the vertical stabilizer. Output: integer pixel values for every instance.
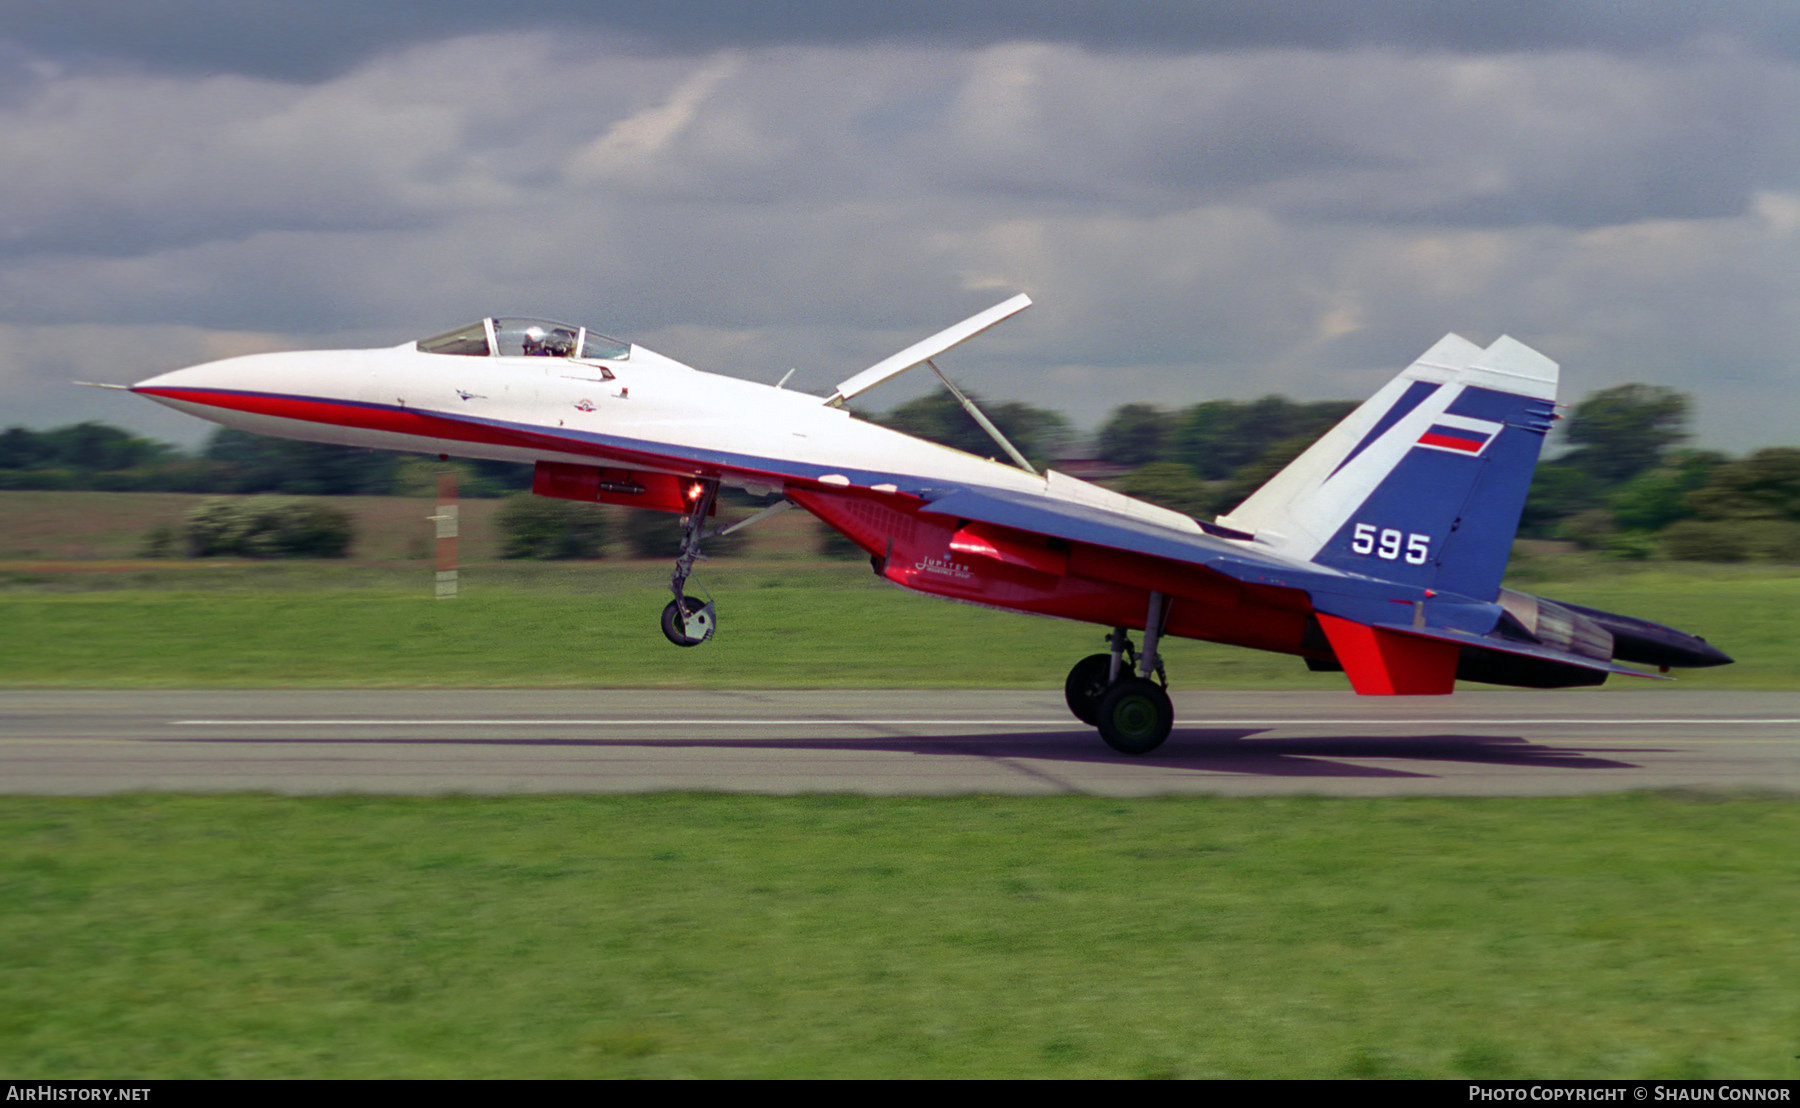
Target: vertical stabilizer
(1424, 483)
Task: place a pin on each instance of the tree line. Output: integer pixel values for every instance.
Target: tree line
(97, 456)
(1619, 476)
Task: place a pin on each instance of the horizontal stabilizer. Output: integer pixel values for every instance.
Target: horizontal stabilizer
(921, 352)
(1381, 658)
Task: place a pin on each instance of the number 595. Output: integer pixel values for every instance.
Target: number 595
(1390, 545)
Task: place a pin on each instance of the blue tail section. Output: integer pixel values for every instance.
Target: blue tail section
(1424, 484)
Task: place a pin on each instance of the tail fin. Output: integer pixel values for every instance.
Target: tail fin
(1424, 483)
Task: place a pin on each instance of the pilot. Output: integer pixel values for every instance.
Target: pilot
(539, 343)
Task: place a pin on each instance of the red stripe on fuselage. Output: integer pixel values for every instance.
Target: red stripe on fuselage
(375, 417)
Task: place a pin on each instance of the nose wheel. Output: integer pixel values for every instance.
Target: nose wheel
(688, 621)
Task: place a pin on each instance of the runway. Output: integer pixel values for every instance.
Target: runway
(888, 742)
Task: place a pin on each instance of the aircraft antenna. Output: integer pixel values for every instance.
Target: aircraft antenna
(993, 431)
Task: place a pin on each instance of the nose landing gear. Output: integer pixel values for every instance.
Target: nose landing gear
(686, 620)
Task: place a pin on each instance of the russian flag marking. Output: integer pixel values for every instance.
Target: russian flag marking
(1459, 434)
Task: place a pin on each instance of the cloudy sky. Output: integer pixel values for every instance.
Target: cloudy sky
(1205, 198)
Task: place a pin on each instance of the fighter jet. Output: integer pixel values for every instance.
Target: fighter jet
(1378, 552)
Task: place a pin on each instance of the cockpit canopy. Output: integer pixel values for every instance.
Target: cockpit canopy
(526, 338)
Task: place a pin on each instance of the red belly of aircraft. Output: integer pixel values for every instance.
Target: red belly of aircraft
(993, 566)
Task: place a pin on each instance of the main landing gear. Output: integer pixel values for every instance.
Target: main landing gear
(1132, 712)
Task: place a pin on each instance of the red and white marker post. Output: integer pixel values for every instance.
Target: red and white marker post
(446, 534)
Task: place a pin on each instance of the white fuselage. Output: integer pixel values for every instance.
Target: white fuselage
(643, 410)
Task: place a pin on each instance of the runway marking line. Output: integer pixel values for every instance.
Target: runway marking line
(827, 721)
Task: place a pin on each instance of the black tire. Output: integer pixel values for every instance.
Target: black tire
(1086, 685)
(676, 631)
(1135, 716)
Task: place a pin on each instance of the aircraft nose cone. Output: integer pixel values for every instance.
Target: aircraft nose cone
(177, 385)
(223, 373)
(172, 379)
(244, 371)
(265, 393)
(210, 381)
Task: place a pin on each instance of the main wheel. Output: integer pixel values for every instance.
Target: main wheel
(1086, 685)
(692, 626)
(1135, 716)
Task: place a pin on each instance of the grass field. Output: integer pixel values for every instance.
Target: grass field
(783, 624)
(676, 935)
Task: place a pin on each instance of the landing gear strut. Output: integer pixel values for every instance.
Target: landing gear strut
(1132, 712)
(687, 621)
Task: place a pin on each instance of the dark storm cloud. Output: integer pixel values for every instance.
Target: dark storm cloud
(1566, 138)
(284, 40)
